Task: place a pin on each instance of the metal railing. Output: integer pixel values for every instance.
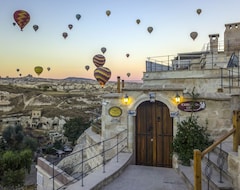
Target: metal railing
(198, 155)
(231, 78)
(109, 148)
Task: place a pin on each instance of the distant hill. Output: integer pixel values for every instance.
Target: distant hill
(77, 79)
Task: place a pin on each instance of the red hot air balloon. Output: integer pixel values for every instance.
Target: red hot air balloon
(22, 18)
(99, 60)
(65, 35)
(102, 75)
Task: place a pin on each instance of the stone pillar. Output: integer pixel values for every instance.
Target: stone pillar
(131, 132)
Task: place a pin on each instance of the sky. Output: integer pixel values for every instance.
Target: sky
(172, 22)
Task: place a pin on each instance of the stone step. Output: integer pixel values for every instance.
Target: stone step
(212, 159)
(218, 160)
(187, 174)
(217, 183)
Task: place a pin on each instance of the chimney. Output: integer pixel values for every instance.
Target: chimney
(122, 83)
(214, 43)
(118, 84)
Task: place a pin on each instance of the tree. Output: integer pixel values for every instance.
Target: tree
(190, 135)
(16, 139)
(29, 142)
(74, 128)
(13, 179)
(13, 136)
(15, 156)
(14, 165)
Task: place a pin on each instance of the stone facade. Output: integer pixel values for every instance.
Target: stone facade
(207, 75)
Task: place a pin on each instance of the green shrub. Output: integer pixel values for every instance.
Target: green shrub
(190, 135)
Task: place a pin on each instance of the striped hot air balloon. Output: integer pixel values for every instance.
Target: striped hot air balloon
(102, 75)
(22, 18)
(99, 60)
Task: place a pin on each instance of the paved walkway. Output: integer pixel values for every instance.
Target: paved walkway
(137, 177)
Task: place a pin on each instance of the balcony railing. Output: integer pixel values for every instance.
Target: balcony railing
(108, 148)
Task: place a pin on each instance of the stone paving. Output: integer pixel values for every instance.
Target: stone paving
(137, 177)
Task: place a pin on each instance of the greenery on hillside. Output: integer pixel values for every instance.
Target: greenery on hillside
(74, 128)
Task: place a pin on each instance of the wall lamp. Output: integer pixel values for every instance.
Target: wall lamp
(177, 98)
(126, 99)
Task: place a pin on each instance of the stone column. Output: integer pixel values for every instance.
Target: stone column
(131, 132)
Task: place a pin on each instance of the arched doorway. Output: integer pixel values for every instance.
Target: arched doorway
(154, 134)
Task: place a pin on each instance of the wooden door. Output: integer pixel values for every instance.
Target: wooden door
(154, 134)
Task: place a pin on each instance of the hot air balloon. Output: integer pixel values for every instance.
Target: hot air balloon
(128, 74)
(193, 35)
(70, 26)
(150, 29)
(14, 24)
(35, 27)
(78, 16)
(108, 12)
(20, 74)
(138, 21)
(87, 67)
(48, 68)
(127, 55)
(65, 35)
(103, 50)
(199, 11)
(22, 18)
(102, 75)
(17, 70)
(38, 70)
(99, 60)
